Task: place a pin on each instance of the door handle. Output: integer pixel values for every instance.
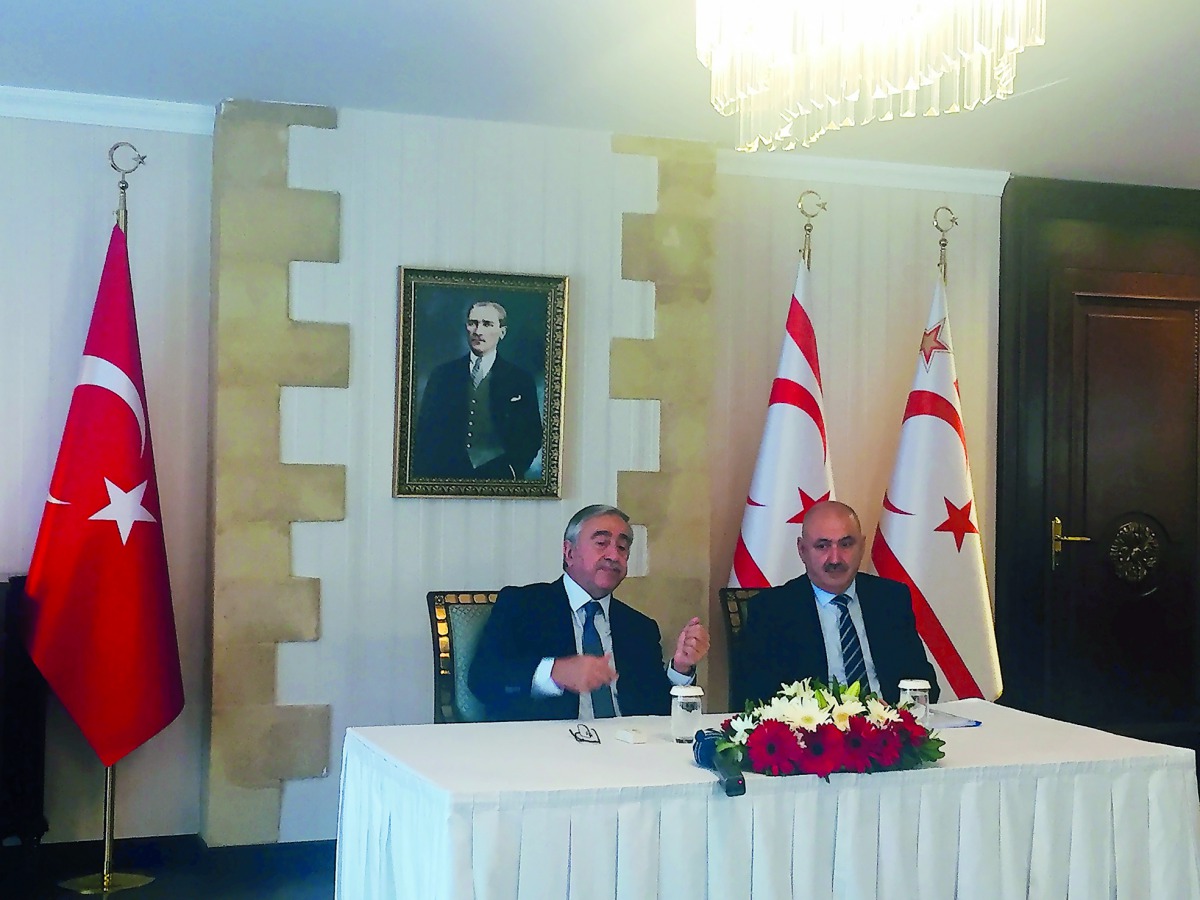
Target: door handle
(1056, 540)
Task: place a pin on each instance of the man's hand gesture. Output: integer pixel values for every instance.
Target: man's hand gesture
(583, 674)
(691, 647)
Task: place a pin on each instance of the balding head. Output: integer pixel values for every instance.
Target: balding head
(831, 545)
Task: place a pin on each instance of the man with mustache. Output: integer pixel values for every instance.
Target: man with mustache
(479, 415)
(795, 631)
(556, 651)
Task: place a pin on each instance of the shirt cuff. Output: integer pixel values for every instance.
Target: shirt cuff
(543, 684)
(678, 677)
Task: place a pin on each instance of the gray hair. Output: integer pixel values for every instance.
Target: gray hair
(571, 532)
(500, 311)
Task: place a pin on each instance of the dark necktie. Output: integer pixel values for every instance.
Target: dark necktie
(852, 655)
(476, 375)
(602, 699)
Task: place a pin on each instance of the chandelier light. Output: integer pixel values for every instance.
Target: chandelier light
(791, 70)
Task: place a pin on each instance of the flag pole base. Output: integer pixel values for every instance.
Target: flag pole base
(105, 884)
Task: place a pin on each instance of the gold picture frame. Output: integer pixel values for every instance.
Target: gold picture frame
(467, 430)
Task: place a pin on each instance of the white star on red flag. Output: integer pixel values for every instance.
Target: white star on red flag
(124, 508)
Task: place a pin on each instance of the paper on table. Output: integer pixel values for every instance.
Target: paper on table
(936, 718)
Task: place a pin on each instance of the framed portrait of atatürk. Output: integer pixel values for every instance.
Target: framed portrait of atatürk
(479, 384)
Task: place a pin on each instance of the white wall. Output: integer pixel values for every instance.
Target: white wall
(59, 199)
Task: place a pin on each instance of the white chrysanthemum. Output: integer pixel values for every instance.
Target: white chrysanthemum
(741, 726)
(844, 711)
(797, 688)
(796, 712)
(879, 713)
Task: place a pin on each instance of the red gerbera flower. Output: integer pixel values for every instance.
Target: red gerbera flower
(885, 749)
(772, 748)
(823, 751)
(857, 742)
(909, 730)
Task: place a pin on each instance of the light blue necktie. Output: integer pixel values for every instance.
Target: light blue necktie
(602, 699)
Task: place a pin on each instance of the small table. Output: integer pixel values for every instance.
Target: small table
(1022, 806)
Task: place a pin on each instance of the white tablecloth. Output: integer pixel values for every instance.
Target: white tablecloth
(1021, 806)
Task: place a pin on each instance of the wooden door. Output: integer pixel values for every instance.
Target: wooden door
(1121, 472)
(1099, 424)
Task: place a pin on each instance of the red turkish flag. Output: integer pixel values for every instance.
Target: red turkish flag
(792, 472)
(928, 534)
(101, 626)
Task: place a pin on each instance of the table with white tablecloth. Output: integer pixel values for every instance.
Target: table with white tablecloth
(1021, 806)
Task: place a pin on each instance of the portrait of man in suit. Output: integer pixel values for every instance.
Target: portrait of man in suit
(479, 415)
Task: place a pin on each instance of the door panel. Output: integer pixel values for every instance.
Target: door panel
(1123, 432)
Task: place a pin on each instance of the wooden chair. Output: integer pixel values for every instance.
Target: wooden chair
(456, 619)
(735, 605)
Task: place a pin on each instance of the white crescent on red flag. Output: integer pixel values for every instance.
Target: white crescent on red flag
(928, 534)
(101, 627)
(792, 472)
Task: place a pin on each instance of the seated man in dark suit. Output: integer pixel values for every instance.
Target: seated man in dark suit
(833, 622)
(555, 651)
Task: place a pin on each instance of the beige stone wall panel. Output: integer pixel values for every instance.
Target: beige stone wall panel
(260, 226)
(243, 674)
(246, 426)
(250, 551)
(280, 223)
(297, 735)
(290, 493)
(673, 247)
(287, 610)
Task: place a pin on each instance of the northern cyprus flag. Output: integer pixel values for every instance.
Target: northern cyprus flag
(792, 472)
(928, 534)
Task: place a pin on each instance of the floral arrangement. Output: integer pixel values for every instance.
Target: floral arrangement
(810, 729)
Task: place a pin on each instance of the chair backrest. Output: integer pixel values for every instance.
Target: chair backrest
(455, 619)
(735, 603)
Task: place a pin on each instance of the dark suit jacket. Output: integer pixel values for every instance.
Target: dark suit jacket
(532, 622)
(780, 641)
(440, 439)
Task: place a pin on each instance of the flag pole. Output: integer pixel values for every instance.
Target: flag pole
(108, 881)
(943, 241)
(806, 250)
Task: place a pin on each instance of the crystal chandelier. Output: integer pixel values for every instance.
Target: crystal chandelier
(794, 69)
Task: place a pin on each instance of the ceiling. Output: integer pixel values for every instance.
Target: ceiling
(1113, 96)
